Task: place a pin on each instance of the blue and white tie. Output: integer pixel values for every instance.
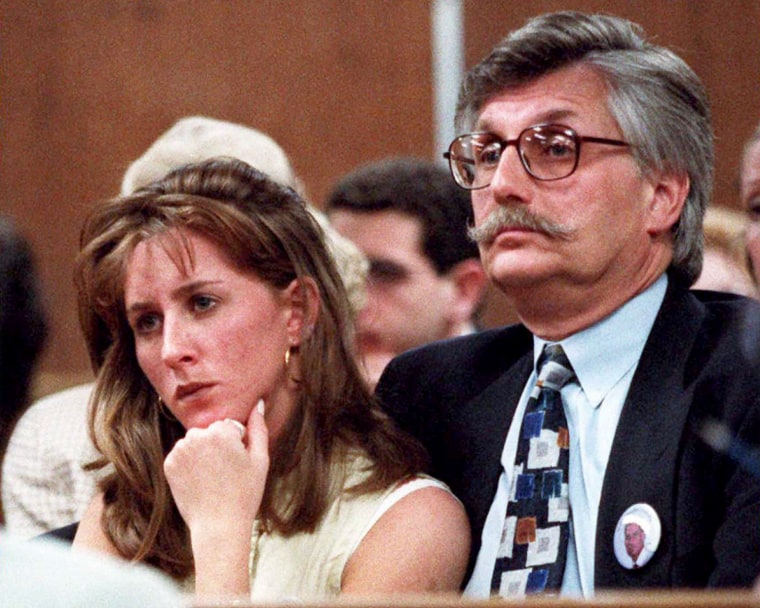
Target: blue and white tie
(533, 547)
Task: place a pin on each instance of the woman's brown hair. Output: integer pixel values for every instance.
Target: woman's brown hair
(265, 228)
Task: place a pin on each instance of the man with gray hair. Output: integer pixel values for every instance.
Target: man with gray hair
(589, 154)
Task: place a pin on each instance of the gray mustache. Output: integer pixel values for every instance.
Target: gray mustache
(516, 217)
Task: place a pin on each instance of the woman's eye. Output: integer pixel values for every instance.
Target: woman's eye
(202, 303)
(146, 323)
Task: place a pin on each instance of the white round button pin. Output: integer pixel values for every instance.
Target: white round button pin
(637, 536)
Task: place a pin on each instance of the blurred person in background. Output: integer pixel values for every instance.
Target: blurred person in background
(425, 281)
(725, 265)
(749, 194)
(23, 326)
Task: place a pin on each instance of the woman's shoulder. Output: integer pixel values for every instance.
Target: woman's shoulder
(422, 529)
(423, 497)
(419, 483)
(417, 498)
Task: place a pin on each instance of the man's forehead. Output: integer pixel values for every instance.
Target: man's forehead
(572, 93)
(380, 232)
(488, 121)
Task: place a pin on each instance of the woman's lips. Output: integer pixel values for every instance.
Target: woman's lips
(191, 390)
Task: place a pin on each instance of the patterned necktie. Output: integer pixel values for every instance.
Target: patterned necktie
(533, 547)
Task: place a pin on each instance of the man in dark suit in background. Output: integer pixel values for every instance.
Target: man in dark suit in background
(425, 279)
(589, 154)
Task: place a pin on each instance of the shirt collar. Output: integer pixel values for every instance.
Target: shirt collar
(603, 353)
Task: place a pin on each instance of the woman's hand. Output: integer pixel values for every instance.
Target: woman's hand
(217, 477)
(218, 473)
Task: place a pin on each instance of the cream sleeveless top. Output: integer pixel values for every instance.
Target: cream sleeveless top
(309, 566)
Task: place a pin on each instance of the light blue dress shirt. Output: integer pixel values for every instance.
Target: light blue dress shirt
(604, 357)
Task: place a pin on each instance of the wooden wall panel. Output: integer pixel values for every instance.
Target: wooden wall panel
(86, 87)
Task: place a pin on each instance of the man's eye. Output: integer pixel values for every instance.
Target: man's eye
(381, 271)
(202, 303)
(557, 148)
(753, 209)
(489, 155)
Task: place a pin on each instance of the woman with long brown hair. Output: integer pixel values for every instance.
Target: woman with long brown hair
(247, 452)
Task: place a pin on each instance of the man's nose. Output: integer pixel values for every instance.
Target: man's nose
(510, 179)
(368, 315)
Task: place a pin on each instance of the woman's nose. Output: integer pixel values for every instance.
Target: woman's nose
(177, 346)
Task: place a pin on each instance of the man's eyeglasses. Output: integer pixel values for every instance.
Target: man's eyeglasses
(547, 151)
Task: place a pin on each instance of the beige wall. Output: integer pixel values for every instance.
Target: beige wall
(85, 87)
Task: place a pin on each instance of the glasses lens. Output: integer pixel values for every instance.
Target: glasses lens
(549, 152)
(461, 162)
(473, 159)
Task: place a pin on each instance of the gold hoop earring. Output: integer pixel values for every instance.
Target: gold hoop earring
(287, 364)
(164, 411)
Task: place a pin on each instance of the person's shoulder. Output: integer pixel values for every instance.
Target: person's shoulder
(487, 345)
(723, 298)
(722, 338)
(46, 572)
(58, 419)
(66, 407)
(432, 499)
(402, 552)
(485, 353)
(72, 398)
(728, 314)
(452, 369)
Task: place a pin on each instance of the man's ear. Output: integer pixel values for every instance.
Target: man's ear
(302, 300)
(667, 201)
(470, 282)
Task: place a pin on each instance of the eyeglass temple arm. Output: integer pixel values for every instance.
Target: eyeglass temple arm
(603, 140)
(461, 159)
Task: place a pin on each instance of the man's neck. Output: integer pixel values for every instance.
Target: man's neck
(554, 314)
(462, 329)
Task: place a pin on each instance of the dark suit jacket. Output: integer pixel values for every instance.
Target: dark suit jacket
(702, 359)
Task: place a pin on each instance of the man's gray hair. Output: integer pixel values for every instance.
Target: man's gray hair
(657, 100)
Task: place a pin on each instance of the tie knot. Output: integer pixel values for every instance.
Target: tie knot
(553, 367)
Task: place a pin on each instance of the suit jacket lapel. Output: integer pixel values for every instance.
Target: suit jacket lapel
(643, 459)
(488, 417)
